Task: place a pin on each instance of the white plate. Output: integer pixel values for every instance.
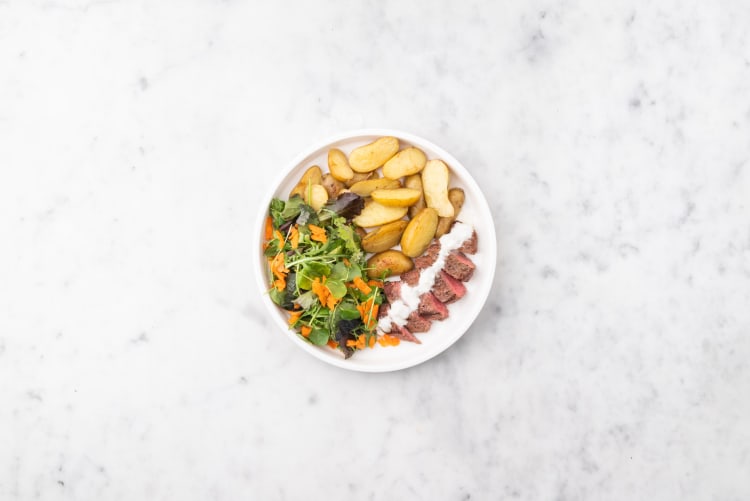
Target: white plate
(462, 313)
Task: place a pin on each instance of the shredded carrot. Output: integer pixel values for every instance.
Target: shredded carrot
(332, 344)
(388, 340)
(297, 306)
(324, 293)
(294, 317)
(371, 343)
(277, 234)
(277, 266)
(359, 343)
(318, 234)
(280, 284)
(362, 286)
(269, 228)
(346, 262)
(305, 330)
(294, 237)
(375, 283)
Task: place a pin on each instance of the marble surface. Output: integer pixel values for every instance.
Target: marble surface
(611, 361)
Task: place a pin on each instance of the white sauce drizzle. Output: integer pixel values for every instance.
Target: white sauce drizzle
(409, 300)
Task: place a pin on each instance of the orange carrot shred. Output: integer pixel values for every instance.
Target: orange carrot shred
(362, 286)
(294, 317)
(269, 228)
(305, 330)
(332, 344)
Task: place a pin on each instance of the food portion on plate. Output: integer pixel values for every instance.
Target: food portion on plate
(370, 252)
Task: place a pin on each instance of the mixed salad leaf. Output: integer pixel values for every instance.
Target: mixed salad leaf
(317, 273)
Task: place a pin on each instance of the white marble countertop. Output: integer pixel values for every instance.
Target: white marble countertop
(611, 361)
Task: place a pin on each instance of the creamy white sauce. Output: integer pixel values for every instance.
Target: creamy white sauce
(409, 301)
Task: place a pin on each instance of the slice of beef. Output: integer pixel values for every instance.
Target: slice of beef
(429, 256)
(403, 334)
(411, 277)
(470, 246)
(383, 310)
(392, 290)
(431, 308)
(447, 289)
(459, 266)
(417, 323)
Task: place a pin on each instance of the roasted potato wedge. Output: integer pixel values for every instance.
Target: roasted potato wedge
(457, 198)
(371, 156)
(316, 197)
(405, 163)
(385, 237)
(435, 179)
(360, 176)
(375, 214)
(390, 262)
(415, 182)
(360, 231)
(419, 232)
(365, 188)
(339, 165)
(332, 185)
(313, 175)
(399, 197)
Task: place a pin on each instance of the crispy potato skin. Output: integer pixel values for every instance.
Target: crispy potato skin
(419, 232)
(371, 156)
(457, 198)
(332, 185)
(390, 262)
(385, 237)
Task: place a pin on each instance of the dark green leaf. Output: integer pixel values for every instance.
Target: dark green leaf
(319, 336)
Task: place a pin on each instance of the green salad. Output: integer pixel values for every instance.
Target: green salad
(317, 273)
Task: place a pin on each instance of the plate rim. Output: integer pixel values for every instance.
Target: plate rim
(466, 178)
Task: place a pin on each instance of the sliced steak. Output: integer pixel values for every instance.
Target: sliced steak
(403, 334)
(459, 266)
(447, 289)
(429, 256)
(392, 290)
(470, 246)
(411, 277)
(417, 323)
(383, 310)
(431, 308)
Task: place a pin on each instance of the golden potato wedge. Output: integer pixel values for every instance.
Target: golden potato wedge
(360, 231)
(435, 179)
(457, 198)
(339, 165)
(316, 197)
(364, 188)
(399, 197)
(360, 176)
(405, 163)
(415, 182)
(313, 175)
(419, 232)
(385, 237)
(371, 156)
(332, 185)
(375, 214)
(390, 262)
